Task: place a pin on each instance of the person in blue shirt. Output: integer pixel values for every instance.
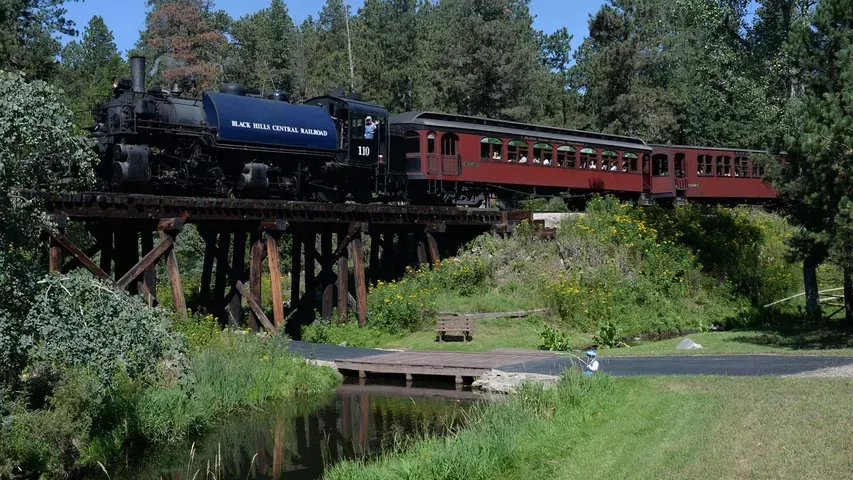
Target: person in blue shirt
(369, 128)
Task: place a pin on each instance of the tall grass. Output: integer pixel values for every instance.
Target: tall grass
(240, 371)
(493, 443)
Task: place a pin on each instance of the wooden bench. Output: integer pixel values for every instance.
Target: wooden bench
(463, 327)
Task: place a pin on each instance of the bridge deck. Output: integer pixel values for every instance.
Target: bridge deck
(193, 209)
(442, 364)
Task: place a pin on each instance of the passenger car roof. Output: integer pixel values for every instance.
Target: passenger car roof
(503, 128)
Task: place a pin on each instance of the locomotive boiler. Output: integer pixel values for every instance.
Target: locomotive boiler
(235, 143)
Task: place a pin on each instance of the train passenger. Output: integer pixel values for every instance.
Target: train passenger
(536, 160)
(613, 167)
(369, 128)
(547, 162)
(496, 156)
(523, 159)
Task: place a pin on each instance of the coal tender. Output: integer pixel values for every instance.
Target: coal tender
(234, 143)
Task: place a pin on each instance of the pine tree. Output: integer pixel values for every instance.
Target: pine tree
(482, 58)
(386, 52)
(816, 181)
(265, 43)
(27, 30)
(86, 70)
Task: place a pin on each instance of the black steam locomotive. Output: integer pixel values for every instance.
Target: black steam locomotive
(235, 143)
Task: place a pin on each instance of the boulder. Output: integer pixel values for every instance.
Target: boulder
(497, 381)
(688, 344)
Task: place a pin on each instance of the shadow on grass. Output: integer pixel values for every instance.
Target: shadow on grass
(796, 331)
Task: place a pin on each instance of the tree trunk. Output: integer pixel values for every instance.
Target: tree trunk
(848, 296)
(810, 279)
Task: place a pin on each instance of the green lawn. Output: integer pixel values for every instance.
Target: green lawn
(644, 428)
(489, 335)
(522, 334)
(824, 342)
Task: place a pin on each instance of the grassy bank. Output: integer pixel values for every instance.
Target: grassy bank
(107, 375)
(617, 271)
(664, 427)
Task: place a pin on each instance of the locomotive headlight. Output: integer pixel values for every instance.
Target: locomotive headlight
(121, 83)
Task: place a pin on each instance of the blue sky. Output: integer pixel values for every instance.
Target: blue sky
(127, 17)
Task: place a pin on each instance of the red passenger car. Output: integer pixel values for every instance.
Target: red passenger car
(467, 160)
(714, 175)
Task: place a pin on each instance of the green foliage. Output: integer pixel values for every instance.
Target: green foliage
(402, 306)
(815, 180)
(554, 340)
(540, 204)
(85, 419)
(200, 330)
(492, 444)
(79, 321)
(37, 147)
(87, 70)
(608, 336)
(265, 43)
(348, 333)
(747, 251)
(50, 440)
(29, 35)
(669, 60)
(239, 371)
(652, 270)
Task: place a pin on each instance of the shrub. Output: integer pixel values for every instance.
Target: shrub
(200, 330)
(243, 369)
(402, 306)
(80, 321)
(554, 340)
(349, 333)
(38, 150)
(608, 336)
(50, 441)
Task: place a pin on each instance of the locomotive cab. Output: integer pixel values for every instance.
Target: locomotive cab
(363, 130)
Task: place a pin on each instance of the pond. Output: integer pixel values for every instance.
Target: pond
(299, 439)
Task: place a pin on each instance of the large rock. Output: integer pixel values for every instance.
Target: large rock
(688, 344)
(497, 381)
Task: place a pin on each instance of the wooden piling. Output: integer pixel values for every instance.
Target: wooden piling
(275, 280)
(343, 286)
(326, 259)
(175, 277)
(149, 275)
(104, 237)
(435, 259)
(255, 276)
(421, 251)
(308, 300)
(210, 252)
(292, 328)
(360, 283)
(238, 265)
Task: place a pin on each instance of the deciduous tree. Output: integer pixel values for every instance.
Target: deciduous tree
(186, 40)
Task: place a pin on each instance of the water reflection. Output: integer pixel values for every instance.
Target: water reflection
(298, 440)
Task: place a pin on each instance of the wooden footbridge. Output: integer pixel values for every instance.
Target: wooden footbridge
(130, 233)
(462, 367)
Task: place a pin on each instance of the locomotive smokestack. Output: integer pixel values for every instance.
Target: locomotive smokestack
(137, 74)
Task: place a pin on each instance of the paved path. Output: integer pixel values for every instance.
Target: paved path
(736, 365)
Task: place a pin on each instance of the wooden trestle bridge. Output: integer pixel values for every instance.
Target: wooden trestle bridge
(133, 232)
